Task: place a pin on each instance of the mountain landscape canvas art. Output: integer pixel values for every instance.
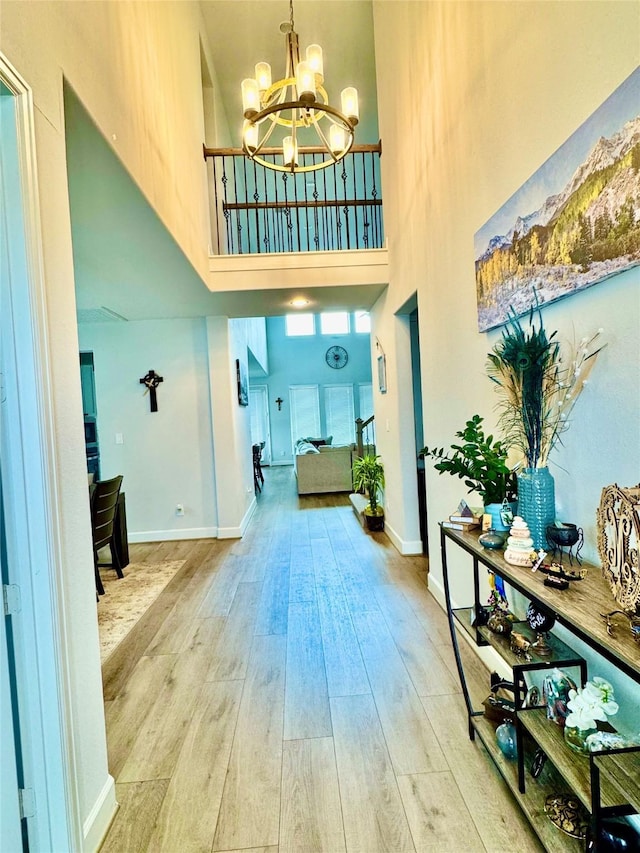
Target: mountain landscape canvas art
(574, 223)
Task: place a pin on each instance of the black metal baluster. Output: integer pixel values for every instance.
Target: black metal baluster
(287, 211)
(256, 199)
(238, 222)
(215, 202)
(316, 235)
(266, 239)
(278, 218)
(366, 208)
(294, 181)
(325, 213)
(245, 200)
(338, 229)
(227, 214)
(345, 209)
(377, 232)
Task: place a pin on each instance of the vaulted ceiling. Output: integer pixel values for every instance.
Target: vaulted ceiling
(243, 32)
(140, 279)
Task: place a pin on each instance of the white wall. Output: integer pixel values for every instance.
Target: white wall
(227, 341)
(301, 361)
(166, 457)
(473, 98)
(486, 124)
(148, 103)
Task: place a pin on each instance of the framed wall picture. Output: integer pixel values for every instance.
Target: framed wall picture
(243, 385)
(573, 224)
(382, 374)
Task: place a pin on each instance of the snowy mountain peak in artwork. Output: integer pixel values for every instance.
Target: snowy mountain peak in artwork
(604, 153)
(587, 225)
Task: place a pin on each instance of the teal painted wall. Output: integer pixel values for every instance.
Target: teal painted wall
(301, 361)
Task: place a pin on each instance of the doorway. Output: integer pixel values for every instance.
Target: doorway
(259, 411)
(35, 697)
(408, 315)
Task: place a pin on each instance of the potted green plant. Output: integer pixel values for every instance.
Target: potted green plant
(482, 463)
(368, 475)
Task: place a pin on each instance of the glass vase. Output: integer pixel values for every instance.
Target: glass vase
(576, 738)
(537, 503)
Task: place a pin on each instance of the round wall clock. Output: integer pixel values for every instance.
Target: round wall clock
(336, 357)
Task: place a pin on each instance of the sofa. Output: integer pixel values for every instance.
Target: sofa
(325, 468)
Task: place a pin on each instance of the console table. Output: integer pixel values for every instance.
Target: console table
(606, 782)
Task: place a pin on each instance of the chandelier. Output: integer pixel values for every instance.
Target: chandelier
(296, 104)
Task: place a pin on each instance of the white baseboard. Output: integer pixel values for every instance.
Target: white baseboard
(248, 516)
(405, 548)
(100, 817)
(275, 462)
(239, 531)
(170, 535)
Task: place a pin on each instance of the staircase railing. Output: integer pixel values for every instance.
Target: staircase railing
(365, 436)
(257, 210)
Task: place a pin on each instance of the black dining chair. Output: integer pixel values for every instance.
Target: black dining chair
(258, 476)
(104, 502)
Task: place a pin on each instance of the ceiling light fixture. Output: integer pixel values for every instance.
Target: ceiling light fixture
(299, 302)
(296, 104)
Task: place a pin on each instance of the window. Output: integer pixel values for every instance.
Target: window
(365, 393)
(362, 322)
(299, 324)
(304, 405)
(334, 323)
(338, 407)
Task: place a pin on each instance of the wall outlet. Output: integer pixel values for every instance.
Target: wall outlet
(119, 438)
(179, 509)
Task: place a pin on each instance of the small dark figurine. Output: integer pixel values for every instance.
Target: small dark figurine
(500, 622)
(520, 645)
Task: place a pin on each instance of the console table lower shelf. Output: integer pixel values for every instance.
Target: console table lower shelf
(606, 784)
(531, 803)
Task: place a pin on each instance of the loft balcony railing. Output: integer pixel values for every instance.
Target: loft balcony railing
(258, 210)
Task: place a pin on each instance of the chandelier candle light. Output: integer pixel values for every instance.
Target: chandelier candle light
(294, 104)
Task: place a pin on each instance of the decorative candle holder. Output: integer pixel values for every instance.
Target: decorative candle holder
(563, 536)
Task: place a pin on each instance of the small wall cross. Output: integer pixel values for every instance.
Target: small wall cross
(151, 381)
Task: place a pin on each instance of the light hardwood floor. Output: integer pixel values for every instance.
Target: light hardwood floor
(295, 692)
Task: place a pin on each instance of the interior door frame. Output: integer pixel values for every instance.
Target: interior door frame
(263, 391)
(29, 474)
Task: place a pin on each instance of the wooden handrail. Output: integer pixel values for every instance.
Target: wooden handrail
(268, 205)
(313, 149)
(360, 427)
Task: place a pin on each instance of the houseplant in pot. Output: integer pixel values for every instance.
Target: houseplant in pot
(538, 388)
(482, 463)
(368, 475)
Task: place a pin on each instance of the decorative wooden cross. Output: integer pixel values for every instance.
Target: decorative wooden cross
(152, 380)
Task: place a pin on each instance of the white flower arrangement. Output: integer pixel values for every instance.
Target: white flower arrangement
(595, 701)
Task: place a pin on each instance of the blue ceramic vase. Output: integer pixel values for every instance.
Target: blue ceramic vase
(537, 503)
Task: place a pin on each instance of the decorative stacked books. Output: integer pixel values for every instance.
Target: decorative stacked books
(464, 518)
(519, 544)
